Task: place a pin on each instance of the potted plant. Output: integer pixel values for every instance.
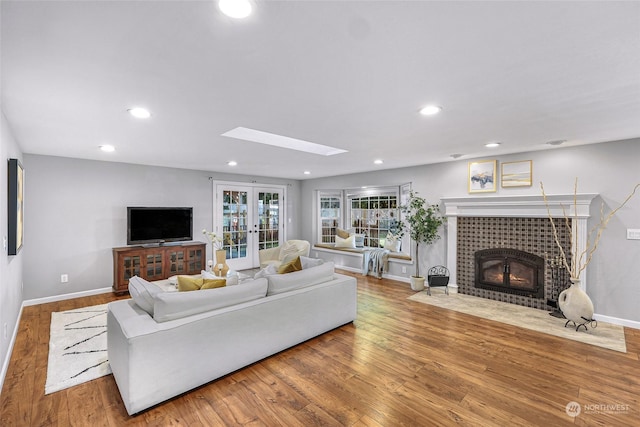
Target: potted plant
(423, 221)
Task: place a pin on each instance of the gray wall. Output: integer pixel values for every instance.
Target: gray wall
(10, 266)
(76, 213)
(608, 169)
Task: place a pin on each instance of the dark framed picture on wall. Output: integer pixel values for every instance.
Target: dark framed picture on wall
(482, 176)
(16, 206)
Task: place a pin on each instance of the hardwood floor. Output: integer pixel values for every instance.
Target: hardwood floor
(400, 363)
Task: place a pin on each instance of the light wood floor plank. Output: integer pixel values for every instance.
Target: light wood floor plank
(400, 363)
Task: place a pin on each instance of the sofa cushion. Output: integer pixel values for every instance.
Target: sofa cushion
(279, 283)
(142, 293)
(175, 305)
(291, 266)
(310, 262)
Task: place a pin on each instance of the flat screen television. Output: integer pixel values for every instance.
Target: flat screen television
(149, 225)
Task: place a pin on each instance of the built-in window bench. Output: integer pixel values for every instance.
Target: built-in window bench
(350, 259)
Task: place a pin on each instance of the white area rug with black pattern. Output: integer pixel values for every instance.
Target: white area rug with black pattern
(77, 347)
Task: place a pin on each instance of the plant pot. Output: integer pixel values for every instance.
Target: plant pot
(417, 283)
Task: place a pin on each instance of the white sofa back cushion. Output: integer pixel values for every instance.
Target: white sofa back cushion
(279, 283)
(142, 293)
(174, 305)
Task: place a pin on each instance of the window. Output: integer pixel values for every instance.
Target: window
(330, 215)
(374, 214)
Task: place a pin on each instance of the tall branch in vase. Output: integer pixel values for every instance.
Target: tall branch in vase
(579, 261)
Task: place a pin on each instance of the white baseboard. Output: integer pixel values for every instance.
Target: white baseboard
(617, 321)
(5, 365)
(63, 297)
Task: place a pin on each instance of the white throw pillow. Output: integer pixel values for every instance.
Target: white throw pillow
(174, 305)
(392, 243)
(279, 283)
(310, 262)
(349, 242)
(268, 270)
(142, 293)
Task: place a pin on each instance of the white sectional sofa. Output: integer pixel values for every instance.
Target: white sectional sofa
(185, 339)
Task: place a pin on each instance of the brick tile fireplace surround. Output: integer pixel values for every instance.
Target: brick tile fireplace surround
(520, 223)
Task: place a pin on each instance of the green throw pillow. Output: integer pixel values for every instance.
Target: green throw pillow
(188, 283)
(213, 283)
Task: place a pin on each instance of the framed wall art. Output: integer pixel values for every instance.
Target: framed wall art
(516, 174)
(482, 176)
(16, 206)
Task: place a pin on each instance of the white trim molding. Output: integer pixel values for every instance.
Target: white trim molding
(574, 206)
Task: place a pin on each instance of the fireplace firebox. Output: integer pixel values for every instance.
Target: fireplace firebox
(511, 271)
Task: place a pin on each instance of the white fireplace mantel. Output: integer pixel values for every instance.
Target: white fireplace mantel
(574, 206)
(530, 206)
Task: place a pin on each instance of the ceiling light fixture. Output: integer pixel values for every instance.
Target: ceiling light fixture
(140, 113)
(235, 8)
(108, 148)
(232, 163)
(378, 162)
(307, 172)
(282, 141)
(557, 142)
(456, 156)
(430, 110)
(492, 144)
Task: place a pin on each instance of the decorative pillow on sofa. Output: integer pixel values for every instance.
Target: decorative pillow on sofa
(269, 269)
(310, 262)
(291, 266)
(279, 283)
(142, 293)
(349, 242)
(174, 305)
(190, 283)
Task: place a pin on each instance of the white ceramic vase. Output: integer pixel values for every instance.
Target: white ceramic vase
(575, 304)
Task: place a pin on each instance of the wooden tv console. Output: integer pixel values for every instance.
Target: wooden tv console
(156, 262)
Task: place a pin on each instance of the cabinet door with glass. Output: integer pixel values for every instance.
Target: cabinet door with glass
(248, 219)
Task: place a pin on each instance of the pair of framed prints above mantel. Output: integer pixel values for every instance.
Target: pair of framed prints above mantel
(483, 176)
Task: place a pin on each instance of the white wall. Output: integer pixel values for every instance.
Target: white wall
(76, 213)
(10, 266)
(609, 169)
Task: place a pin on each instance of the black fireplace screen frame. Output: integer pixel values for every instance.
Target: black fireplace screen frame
(505, 256)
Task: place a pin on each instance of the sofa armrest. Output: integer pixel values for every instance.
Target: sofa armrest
(270, 254)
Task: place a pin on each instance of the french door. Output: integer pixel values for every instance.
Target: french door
(249, 218)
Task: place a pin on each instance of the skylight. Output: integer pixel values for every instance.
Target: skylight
(282, 141)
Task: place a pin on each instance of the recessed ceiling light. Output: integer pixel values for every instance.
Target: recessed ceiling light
(492, 144)
(108, 148)
(378, 162)
(430, 110)
(557, 142)
(232, 163)
(282, 141)
(307, 172)
(140, 113)
(456, 156)
(235, 8)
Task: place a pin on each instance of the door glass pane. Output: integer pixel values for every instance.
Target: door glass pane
(234, 223)
(268, 219)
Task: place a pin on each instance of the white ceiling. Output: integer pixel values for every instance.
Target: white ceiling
(347, 74)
